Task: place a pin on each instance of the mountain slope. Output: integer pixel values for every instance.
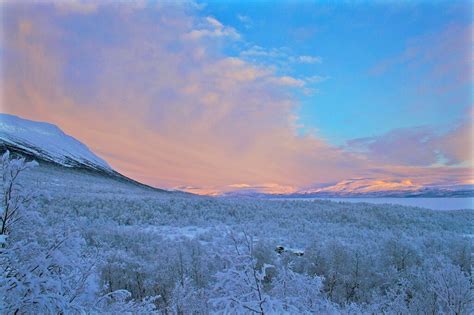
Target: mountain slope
(47, 142)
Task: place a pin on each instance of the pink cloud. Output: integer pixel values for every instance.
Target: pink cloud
(420, 146)
(170, 111)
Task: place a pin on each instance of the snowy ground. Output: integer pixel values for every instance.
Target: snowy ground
(195, 252)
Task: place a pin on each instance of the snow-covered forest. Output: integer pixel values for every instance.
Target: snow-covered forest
(77, 242)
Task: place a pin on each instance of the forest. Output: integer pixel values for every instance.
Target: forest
(75, 242)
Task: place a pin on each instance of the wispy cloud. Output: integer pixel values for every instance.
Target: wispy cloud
(245, 20)
(438, 62)
(258, 51)
(316, 79)
(211, 27)
(307, 59)
(282, 53)
(282, 58)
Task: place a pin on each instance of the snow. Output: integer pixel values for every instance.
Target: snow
(91, 243)
(178, 232)
(48, 142)
(365, 186)
(434, 203)
(3, 239)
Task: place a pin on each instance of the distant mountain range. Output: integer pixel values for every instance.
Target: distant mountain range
(362, 187)
(427, 192)
(368, 188)
(46, 142)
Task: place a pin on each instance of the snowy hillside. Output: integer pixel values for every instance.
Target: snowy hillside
(47, 142)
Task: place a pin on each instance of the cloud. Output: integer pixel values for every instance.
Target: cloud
(279, 58)
(308, 59)
(76, 7)
(289, 81)
(316, 79)
(212, 28)
(282, 53)
(168, 107)
(245, 20)
(162, 108)
(419, 146)
(267, 188)
(457, 145)
(438, 62)
(406, 146)
(240, 186)
(258, 51)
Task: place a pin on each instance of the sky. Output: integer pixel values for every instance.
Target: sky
(269, 96)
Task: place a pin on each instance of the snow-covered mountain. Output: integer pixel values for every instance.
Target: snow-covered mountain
(47, 142)
(363, 186)
(367, 187)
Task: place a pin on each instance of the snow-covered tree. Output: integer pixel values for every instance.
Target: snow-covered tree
(42, 270)
(453, 289)
(14, 198)
(239, 288)
(299, 293)
(79, 242)
(45, 270)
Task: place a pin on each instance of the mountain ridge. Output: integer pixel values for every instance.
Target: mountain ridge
(48, 143)
(363, 188)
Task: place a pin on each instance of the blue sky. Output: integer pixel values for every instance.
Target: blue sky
(352, 38)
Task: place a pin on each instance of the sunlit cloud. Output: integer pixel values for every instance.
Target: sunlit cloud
(420, 146)
(163, 104)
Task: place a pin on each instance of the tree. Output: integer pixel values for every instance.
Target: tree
(453, 288)
(239, 288)
(299, 293)
(14, 197)
(46, 270)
